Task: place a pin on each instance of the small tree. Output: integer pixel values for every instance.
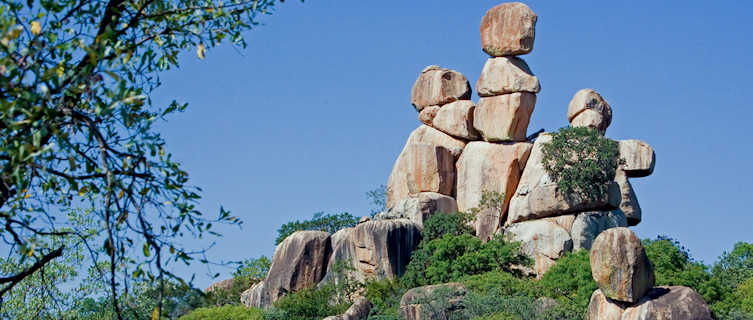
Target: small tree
(581, 161)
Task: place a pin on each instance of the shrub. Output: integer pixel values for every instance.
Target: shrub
(246, 275)
(227, 312)
(439, 225)
(570, 280)
(736, 266)
(454, 256)
(320, 222)
(309, 303)
(581, 161)
(385, 296)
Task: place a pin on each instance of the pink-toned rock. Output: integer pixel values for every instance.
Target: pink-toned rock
(669, 303)
(505, 75)
(456, 119)
(423, 167)
(399, 186)
(300, 261)
(661, 303)
(564, 221)
(376, 249)
(252, 297)
(383, 248)
(504, 117)
(589, 109)
(428, 114)
(547, 200)
(419, 207)
(438, 86)
(541, 240)
(489, 167)
(508, 29)
(619, 265)
(629, 204)
(226, 285)
(639, 158)
(601, 308)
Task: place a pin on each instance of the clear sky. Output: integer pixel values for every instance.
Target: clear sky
(315, 111)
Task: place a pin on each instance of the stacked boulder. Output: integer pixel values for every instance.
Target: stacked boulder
(464, 150)
(626, 284)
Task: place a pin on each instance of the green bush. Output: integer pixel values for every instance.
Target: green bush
(226, 312)
(582, 161)
(570, 280)
(320, 222)
(439, 225)
(247, 274)
(453, 256)
(309, 303)
(385, 297)
(674, 266)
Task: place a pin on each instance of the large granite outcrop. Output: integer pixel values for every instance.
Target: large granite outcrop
(300, 261)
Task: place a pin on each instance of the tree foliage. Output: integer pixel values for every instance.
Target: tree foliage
(320, 222)
(248, 273)
(449, 251)
(581, 161)
(77, 131)
(377, 199)
(571, 279)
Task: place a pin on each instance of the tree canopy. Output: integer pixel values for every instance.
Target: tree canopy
(77, 133)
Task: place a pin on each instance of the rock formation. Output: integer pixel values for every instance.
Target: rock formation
(462, 151)
(626, 278)
(465, 149)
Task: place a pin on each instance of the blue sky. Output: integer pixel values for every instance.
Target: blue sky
(315, 111)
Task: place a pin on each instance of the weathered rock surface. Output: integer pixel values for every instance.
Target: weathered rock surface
(668, 303)
(601, 308)
(420, 207)
(505, 75)
(428, 114)
(661, 303)
(376, 249)
(252, 296)
(541, 240)
(508, 29)
(300, 261)
(564, 221)
(456, 119)
(629, 204)
(619, 265)
(359, 310)
(504, 117)
(226, 284)
(589, 109)
(383, 248)
(639, 158)
(438, 86)
(398, 183)
(422, 167)
(588, 225)
(546, 200)
(428, 302)
(489, 167)
(338, 237)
